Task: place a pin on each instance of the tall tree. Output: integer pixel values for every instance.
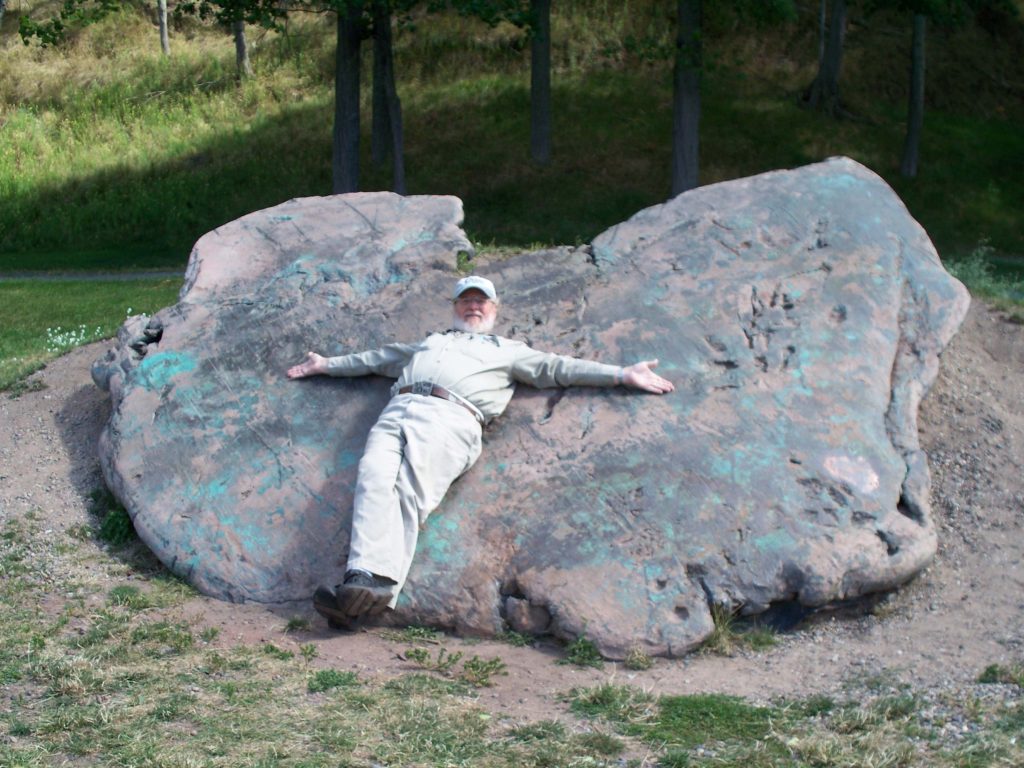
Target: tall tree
(161, 17)
(386, 133)
(915, 106)
(947, 13)
(533, 16)
(242, 64)
(686, 96)
(351, 29)
(540, 82)
(823, 92)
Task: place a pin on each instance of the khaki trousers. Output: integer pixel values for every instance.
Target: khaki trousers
(416, 450)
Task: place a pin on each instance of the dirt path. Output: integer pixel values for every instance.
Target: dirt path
(964, 612)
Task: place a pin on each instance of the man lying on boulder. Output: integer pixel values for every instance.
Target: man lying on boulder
(449, 385)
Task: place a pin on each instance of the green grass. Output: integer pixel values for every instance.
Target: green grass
(40, 321)
(142, 154)
(112, 674)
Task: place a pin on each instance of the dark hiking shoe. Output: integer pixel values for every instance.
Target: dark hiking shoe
(361, 594)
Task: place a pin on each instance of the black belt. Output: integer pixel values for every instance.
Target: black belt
(427, 389)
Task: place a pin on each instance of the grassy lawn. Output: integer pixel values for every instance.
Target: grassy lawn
(112, 674)
(41, 320)
(111, 153)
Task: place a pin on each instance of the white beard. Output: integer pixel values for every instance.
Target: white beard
(480, 326)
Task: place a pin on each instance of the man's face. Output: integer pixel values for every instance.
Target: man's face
(474, 312)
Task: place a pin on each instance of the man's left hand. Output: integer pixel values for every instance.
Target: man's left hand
(642, 376)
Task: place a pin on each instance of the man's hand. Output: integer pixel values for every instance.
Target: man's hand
(314, 365)
(642, 376)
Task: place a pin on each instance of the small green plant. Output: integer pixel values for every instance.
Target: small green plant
(475, 671)
(277, 653)
(637, 659)
(24, 386)
(598, 743)
(728, 636)
(517, 639)
(130, 597)
(443, 663)
(412, 634)
(115, 524)
(582, 653)
(326, 679)
(479, 672)
(209, 634)
(297, 624)
(309, 651)
(167, 635)
(722, 639)
(540, 731)
(997, 673)
(616, 703)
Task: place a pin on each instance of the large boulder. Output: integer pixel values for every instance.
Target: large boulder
(800, 313)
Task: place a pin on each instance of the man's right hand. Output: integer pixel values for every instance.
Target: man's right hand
(314, 365)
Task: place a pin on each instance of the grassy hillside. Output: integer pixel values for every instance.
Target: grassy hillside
(113, 156)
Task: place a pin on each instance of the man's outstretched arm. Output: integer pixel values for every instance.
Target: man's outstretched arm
(642, 376)
(313, 365)
(386, 361)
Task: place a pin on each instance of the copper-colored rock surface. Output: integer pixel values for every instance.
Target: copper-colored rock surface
(800, 314)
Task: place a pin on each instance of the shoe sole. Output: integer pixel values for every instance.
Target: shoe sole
(356, 604)
(363, 601)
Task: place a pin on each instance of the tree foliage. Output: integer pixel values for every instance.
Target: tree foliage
(73, 15)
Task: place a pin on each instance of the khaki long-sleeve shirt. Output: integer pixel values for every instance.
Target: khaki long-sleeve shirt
(482, 369)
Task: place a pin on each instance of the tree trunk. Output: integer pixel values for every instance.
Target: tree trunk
(540, 82)
(244, 67)
(161, 15)
(823, 93)
(392, 107)
(822, 30)
(345, 159)
(380, 133)
(686, 97)
(915, 108)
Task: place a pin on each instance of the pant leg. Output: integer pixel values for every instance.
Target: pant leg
(417, 449)
(376, 512)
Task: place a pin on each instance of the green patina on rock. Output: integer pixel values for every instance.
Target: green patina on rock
(799, 313)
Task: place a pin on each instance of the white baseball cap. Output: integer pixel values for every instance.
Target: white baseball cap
(475, 281)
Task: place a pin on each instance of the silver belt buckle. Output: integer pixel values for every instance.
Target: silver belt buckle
(424, 388)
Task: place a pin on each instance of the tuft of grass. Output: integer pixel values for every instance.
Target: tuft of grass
(209, 634)
(621, 704)
(515, 639)
(24, 386)
(689, 721)
(115, 524)
(326, 679)
(297, 624)
(130, 597)
(1012, 674)
(277, 653)
(583, 653)
(729, 636)
(638, 660)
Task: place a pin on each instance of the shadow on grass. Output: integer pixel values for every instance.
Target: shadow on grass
(612, 153)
